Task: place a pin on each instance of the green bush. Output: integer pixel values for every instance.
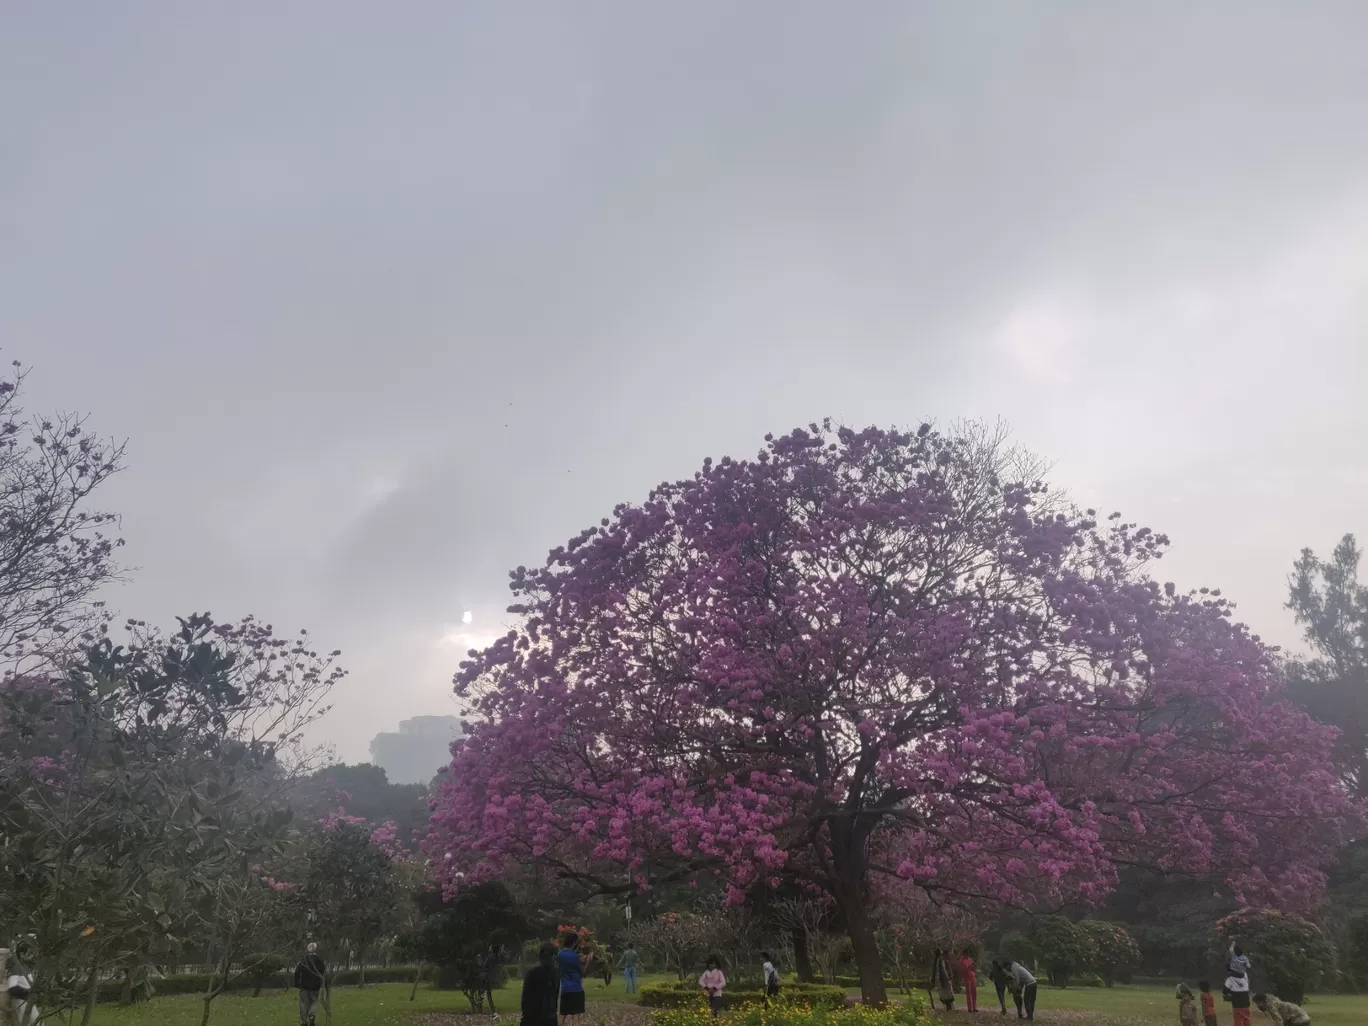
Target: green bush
(686, 994)
(912, 1014)
(195, 983)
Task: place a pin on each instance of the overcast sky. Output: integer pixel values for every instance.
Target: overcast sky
(389, 298)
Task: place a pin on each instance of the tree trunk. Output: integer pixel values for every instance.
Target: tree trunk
(416, 977)
(802, 959)
(327, 998)
(92, 989)
(866, 949)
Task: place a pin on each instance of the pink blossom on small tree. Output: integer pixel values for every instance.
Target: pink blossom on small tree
(877, 652)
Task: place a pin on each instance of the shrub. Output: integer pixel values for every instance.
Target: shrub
(1290, 955)
(1114, 953)
(786, 1014)
(1063, 947)
(686, 995)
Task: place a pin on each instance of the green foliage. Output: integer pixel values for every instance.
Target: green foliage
(784, 1013)
(1291, 955)
(1332, 607)
(1018, 947)
(685, 994)
(456, 936)
(1113, 952)
(348, 888)
(1063, 948)
(366, 792)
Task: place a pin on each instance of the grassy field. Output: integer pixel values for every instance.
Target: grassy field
(387, 1004)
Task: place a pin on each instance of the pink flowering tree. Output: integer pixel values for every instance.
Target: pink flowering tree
(880, 653)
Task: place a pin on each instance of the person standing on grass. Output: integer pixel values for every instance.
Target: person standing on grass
(1284, 1013)
(1237, 984)
(1023, 986)
(1208, 1004)
(1187, 1006)
(1000, 977)
(712, 981)
(942, 983)
(488, 967)
(628, 964)
(571, 978)
(969, 980)
(541, 989)
(309, 976)
(771, 977)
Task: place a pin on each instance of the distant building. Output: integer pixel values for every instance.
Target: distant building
(420, 747)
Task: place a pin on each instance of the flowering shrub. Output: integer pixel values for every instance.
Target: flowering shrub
(686, 994)
(1114, 952)
(785, 1013)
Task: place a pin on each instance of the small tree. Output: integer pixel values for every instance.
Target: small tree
(1113, 952)
(1290, 955)
(348, 890)
(1063, 947)
(454, 935)
(55, 552)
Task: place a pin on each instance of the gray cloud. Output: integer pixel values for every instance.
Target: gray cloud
(389, 300)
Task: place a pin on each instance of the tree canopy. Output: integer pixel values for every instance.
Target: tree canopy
(881, 652)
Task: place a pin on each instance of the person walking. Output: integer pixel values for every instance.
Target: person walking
(488, 966)
(1023, 986)
(541, 989)
(969, 980)
(1284, 1013)
(571, 969)
(771, 976)
(941, 982)
(310, 976)
(997, 972)
(628, 964)
(713, 982)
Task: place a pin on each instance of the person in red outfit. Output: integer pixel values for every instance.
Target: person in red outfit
(966, 966)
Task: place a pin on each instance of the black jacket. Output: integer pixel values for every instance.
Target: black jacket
(310, 972)
(540, 991)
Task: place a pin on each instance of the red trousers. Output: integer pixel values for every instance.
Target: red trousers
(970, 992)
(1241, 1016)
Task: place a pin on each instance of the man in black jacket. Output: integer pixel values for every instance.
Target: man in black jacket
(541, 989)
(309, 975)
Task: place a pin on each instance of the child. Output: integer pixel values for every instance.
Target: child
(712, 983)
(1208, 1004)
(1187, 1008)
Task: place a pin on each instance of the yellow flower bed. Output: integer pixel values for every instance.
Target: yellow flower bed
(780, 1013)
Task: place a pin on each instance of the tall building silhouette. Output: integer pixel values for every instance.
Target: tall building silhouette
(417, 750)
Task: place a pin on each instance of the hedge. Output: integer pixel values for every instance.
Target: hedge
(196, 983)
(913, 1013)
(686, 994)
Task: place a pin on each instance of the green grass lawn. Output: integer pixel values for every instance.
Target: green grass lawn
(388, 1003)
(1145, 1006)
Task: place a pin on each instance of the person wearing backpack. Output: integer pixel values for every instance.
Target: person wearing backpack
(309, 977)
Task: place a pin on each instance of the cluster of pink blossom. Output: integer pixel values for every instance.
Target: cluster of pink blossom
(864, 653)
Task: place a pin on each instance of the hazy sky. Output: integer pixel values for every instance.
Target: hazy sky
(389, 298)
